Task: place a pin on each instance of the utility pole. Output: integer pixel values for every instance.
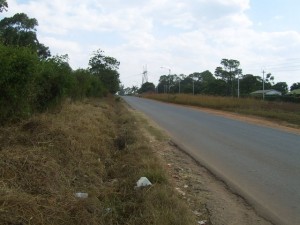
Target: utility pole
(263, 72)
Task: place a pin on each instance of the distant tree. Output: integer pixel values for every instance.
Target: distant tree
(201, 81)
(163, 84)
(105, 67)
(281, 86)
(228, 73)
(295, 86)
(147, 88)
(216, 87)
(250, 83)
(3, 5)
(131, 91)
(121, 90)
(269, 80)
(20, 30)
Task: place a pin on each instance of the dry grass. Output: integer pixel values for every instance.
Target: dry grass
(279, 111)
(94, 147)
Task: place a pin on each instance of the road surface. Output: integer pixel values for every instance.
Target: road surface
(259, 163)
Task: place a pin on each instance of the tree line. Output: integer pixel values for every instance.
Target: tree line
(31, 80)
(227, 80)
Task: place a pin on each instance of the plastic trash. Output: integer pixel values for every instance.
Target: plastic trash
(143, 182)
(81, 195)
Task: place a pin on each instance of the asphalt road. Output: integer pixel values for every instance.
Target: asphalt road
(259, 163)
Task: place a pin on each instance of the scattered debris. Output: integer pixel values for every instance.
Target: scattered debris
(180, 191)
(81, 195)
(202, 222)
(143, 182)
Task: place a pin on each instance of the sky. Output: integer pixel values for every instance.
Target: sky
(186, 36)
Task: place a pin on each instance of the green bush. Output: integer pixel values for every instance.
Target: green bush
(54, 82)
(86, 85)
(29, 84)
(17, 76)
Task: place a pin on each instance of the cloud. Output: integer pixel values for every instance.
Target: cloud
(188, 36)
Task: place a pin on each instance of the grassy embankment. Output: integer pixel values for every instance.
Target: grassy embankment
(279, 111)
(94, 147)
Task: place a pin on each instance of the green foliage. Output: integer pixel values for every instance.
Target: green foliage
(17, 77)
(105, 67)
(31, 80)
(295, 86)
(250, 83)
(147, 88)
(3, 5)
(131, 90)
(28, 84)
(228, 73)
(20, 30)
(281, 86)
(54, 81)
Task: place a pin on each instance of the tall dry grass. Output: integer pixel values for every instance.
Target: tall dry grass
(280, 111)
(94, 147)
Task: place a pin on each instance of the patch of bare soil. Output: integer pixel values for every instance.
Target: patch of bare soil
(208, 198)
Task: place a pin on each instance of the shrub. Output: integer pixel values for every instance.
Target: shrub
(54, 81)
(17, 75)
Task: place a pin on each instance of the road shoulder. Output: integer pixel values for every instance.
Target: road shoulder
(204, 193)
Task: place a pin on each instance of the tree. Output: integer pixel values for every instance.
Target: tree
(187, 84)
(295, 86)
(147, 88)
(269, 81)
(250, 83)
(20, 30)
(201, 81)
(228, 73)
(54, 81)
(217, 87)
(105, 67)
(3, 5)
(163, 84)
(121, 90)
(131, 91)
(17, 77)
(281, 86)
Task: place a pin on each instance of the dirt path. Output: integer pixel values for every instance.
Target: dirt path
(207, 196)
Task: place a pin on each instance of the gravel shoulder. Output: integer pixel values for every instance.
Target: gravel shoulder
(207, 196)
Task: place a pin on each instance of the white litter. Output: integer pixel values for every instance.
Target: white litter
(203, 222)
(143, 182)
(81, 195)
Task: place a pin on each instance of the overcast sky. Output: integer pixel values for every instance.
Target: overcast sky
(185, 35)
